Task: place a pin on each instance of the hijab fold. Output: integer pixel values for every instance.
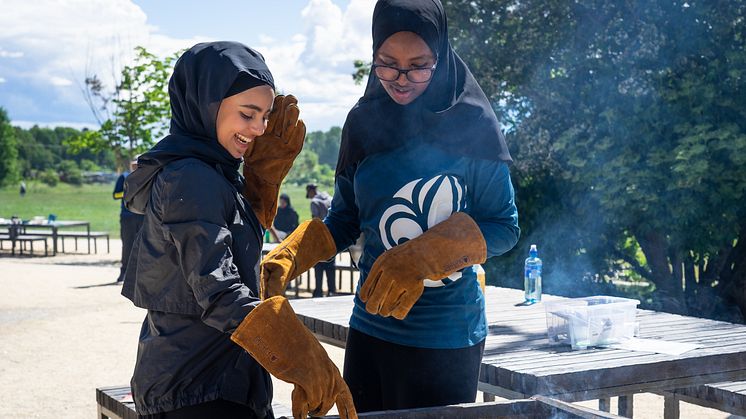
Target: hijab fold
(203, 76)
(453, 113)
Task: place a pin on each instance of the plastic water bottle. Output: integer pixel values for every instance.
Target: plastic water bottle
(532, 276)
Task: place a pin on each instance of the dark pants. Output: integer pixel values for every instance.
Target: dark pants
(129, 225)
(319, 269)
(213, 409)
(385, 376)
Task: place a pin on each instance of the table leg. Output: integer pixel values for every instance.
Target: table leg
(604, 404)
(670, 406)
(625, 406)
(54, 241)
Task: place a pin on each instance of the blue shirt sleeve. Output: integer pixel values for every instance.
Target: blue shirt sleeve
(493, 206)
(342, 220)
(119, 188)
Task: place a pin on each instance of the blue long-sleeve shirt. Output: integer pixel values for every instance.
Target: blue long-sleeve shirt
(395, 196)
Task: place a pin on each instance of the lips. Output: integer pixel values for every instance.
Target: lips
(243, 140)
(399, 93)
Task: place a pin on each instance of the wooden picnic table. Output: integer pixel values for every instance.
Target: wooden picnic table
(54, 226)
(519, 362)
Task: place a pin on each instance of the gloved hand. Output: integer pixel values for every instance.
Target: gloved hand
(395, 281)
(270, 158)
(308, 244)
(280, 343)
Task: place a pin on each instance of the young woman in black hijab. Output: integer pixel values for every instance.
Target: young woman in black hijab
(194, 265)
(423, 173)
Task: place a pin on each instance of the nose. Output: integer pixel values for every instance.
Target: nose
(258, 127)
(402, 79)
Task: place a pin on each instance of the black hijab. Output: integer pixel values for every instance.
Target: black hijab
(452, 114)
(203, 76)
(286, 219)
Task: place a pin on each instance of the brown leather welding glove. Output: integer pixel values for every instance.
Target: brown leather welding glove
(280, 343)
(307, 245)
(396, 280)
(268, 160)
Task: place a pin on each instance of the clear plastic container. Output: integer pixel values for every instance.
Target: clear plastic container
(590, 321)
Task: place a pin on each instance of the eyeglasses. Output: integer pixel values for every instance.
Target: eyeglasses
(415, 75)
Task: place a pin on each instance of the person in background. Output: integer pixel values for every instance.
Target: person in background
(129, 222)
(23, 189)
(320, 204)
(286, 220)
(423, 173)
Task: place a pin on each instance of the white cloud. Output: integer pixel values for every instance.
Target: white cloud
(76, 125)
(58, 44)
(10, 54)
(54, 45)
(316, 65)
(2, 80)
(60, 81)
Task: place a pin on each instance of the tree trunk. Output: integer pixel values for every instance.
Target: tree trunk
(655, 247)
(733, 274)
(689, 276)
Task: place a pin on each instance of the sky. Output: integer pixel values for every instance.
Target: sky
(48, 47)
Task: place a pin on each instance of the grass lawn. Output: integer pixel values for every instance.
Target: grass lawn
(93, 203)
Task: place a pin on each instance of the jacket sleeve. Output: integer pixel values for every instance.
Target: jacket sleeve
(194, 209)
(342, 219)
(119, 188)
(493, 206)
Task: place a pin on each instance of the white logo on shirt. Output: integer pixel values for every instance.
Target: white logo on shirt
(419, 205)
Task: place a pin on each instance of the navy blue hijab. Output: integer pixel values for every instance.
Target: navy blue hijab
(453, 113)
(203, 76)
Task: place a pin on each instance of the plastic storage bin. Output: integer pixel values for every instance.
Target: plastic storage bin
(590, 321)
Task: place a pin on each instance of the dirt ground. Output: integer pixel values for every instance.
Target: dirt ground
(65, 330)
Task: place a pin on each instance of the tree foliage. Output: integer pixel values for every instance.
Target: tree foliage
(318, 159)
(627, 121)
(135, 113)
(9, 172)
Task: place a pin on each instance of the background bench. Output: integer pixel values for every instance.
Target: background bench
(23, 240)
(93, 235)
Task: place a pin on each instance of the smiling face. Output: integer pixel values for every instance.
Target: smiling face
(404, 50)
(243, 117)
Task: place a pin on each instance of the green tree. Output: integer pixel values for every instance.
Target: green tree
(306, 169)
(49, 177)
(362, 69)
(325, 145)
(134, 114)
(9, 170)
(628, 120)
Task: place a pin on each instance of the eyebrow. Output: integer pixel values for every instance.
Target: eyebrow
(254, 107)
(419, 57)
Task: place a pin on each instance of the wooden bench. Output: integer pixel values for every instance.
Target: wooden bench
(23, 240)
(116, 403)
(95, 235)
(729, 396)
